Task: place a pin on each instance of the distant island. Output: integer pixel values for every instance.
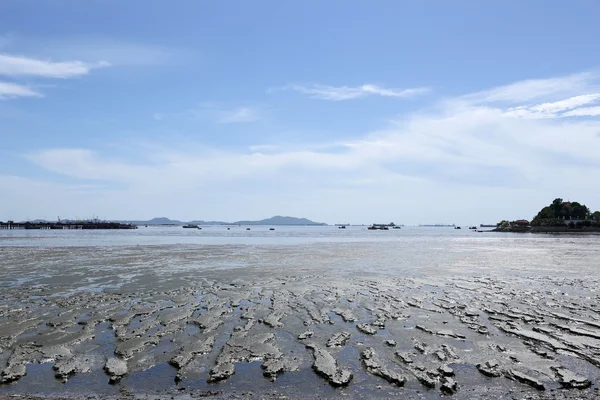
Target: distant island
(558, 217)
(276, 220)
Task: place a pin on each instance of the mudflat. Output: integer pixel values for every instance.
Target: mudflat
(424, 316)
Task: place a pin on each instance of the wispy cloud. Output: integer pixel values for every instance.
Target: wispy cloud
(263, 147)
(557, 108)
(584, 112)
(533, 89)
(241, 114)
(214, 112)
(12, 90)
(21, 66)
(339, 93)
(453, 150)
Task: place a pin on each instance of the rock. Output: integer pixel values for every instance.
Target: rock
(367, 329)
(64, 368)
(188, 352)
(221, 371)
(424, 329)
(373, 366)
(326, 366)
(441, 355)
(273, 366)
(338, 339)
(483, 330)
(449, 385)
(420, 346)
(346, 315)
(405, 357)
(13, 372)
(273, 319)
(380, 323)
(306, 335)
(490, 368)
(116, 368)
(391, 343)
(129, 347)
(571, 380)
(523, 378)
(425, 380)
(446, 370)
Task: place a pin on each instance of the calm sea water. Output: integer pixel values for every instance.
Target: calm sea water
(141, 258)
(220, 235)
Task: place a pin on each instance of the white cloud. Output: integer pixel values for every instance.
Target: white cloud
(554, 109)
(263, 147)
(116, 51)
(485, 161)
(532, 89)
(21, 66)
(333, 93)
(214, 112)
(584, 112)
(10, 90)
(241, 114)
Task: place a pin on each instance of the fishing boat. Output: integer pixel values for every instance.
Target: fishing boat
(378, 227)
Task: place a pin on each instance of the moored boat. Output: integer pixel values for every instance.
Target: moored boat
(378, 227)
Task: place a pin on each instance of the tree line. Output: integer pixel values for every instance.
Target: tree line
(562, 212)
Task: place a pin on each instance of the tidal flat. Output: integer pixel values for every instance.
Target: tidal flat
(419, 315)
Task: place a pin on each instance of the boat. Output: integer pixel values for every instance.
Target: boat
(247, 229)
(200, 228)
(472, 227)
(457, 227)
(271, 229)
(191, 226)
(378, 227)
(397, 227)
(342, 227)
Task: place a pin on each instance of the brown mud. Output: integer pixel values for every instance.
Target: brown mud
(309, 333)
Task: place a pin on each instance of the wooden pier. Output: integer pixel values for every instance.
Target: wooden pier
(65, 225)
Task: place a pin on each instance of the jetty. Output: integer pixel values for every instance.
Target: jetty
(65, 225)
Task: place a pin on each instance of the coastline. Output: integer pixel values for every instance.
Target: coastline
(550, 230)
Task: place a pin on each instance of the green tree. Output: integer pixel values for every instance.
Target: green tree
(557, 207)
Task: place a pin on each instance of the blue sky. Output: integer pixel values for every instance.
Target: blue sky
(417, 112)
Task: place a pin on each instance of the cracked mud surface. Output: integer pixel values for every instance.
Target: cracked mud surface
(493, 317)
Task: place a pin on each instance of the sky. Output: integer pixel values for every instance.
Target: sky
(341, 111)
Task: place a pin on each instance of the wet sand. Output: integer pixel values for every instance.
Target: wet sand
(485, 319)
